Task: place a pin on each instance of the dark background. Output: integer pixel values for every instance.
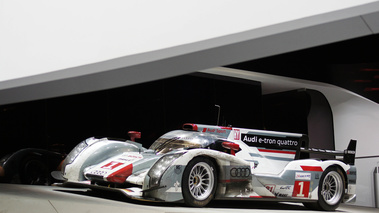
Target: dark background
(152, 108)
(351, 64)
(160, 106)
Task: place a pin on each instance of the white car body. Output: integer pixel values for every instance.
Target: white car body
(205, 162)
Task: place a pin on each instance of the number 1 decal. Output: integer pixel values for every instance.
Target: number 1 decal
(111, 165)
(301, 189)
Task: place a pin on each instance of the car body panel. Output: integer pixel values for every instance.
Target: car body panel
(96, 151)
(265, 165)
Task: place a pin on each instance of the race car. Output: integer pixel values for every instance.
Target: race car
(30, 166)
(201, 163)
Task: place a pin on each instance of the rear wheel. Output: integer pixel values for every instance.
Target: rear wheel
(199, 182)
(331, 190)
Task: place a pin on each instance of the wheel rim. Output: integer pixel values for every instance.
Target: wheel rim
(201, 181)
(332, 188)
(36, 173)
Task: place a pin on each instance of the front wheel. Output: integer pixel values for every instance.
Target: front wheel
(34, 172)
(199, 182)
(331, 190)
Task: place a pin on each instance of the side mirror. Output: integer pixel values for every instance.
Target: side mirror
(232, 146)
(133, 135)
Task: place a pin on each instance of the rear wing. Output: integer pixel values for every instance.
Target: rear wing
(348, 154)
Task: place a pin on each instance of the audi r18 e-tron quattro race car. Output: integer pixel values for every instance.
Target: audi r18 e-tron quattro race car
(203, 162)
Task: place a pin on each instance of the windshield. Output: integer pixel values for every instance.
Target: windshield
(179, 139)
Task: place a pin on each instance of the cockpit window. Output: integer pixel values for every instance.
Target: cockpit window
(177, 140)
(164, 145)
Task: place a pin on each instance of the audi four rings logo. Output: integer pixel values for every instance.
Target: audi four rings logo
(240, 172)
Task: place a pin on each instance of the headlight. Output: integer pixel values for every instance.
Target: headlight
(4, 159)
(160, 167)
(78, 148)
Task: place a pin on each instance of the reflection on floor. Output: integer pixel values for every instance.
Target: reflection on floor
(49, 199)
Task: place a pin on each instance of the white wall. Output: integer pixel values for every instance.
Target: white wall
(43, 36)
(354, 117)
(51, 48)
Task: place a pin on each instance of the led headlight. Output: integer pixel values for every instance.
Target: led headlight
(78, 148)
(160, 167)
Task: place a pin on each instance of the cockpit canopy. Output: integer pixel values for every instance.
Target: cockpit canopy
(180, 139)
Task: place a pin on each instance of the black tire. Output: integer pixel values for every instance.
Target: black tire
(199, 182)
(34, 172)
(331, 190)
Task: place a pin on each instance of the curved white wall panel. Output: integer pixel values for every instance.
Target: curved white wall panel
(50, 49)
(354, 117)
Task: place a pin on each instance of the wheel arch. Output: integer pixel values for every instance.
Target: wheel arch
(220, 159)
(343, 172)
(214, 161)
(337, 164)
(217, 162)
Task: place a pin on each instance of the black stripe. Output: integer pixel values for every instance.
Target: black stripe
(374, 156)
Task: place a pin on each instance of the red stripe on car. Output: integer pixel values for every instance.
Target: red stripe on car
(312, 168)
(226, 127)
(120, 175)
(277, 151)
